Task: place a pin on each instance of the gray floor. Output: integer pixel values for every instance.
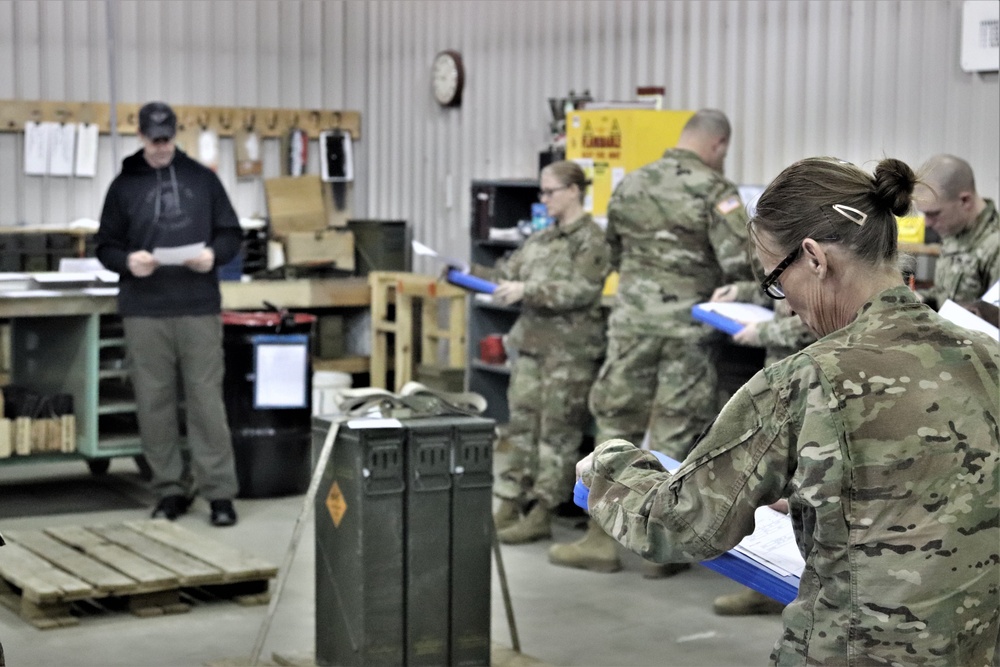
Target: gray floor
(563, 617)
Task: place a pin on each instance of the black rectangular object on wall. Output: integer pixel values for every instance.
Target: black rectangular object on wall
(359, 547)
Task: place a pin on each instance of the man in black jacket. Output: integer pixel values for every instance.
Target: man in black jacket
(170, 308)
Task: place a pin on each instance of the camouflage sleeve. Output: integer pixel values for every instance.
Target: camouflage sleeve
(727, 233)
(613, 237)
(707, 506)
(588, 267)
(749, 291)
(785, 331)
(506, 268)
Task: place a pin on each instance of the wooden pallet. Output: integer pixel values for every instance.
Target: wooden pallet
(151, 567)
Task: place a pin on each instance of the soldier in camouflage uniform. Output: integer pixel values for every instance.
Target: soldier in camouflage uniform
(677, 230)
(969, 227)
(557, 276)
(882, 435)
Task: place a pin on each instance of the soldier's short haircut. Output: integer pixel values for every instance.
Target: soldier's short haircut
(711, 122)
(948, 176)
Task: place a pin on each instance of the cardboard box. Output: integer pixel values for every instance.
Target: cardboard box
(325, 246)
(303, 204)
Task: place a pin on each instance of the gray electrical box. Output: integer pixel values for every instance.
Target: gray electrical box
(403, 543)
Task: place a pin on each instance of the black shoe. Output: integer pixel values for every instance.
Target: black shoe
(171, 507)
(223, 513)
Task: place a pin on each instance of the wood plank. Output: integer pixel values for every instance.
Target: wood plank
(190, 571)
(38, 579)
(235, 564)
(148, 576)
(105, 580)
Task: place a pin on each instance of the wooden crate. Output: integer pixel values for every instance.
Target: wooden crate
(150, 567)
(405, 290)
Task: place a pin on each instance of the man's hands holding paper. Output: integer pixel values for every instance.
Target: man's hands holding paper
(142, 263)
(203, 263)
(509, 292)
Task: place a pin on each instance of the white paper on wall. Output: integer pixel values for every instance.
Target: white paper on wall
(62, 142)
(36, 148)
(86, 150)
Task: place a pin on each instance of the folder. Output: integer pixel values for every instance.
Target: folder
(777, 583)
(730, 317)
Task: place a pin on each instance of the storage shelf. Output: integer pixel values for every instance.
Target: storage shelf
(116, 407)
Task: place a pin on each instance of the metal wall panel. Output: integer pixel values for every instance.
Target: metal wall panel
(858, 79)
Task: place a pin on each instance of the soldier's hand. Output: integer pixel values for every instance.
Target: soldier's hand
(203, 263)
(141, 263)
(509, 291)
(724, 293)
(748, 335)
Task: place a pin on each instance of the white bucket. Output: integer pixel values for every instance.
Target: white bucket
(326, 388)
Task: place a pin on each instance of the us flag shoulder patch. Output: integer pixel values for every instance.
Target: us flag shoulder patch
(727, 206)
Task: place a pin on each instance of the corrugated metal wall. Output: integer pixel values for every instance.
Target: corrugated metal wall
(857, 79)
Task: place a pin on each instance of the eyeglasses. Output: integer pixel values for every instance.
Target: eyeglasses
(770, 284)
(548, 192)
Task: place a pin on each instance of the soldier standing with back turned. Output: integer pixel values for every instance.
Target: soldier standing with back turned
(677, 230)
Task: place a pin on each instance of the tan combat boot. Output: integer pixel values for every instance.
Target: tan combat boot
(746, 603)
(595, 551)
(533, 526)
(507, 513)
(651, 570)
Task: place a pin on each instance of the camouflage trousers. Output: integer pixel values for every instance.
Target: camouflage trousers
(664, 385)
(547, 398)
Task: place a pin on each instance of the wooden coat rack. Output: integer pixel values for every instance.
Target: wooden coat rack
(265, 121)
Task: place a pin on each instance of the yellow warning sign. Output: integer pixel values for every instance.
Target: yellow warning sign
(336, 504)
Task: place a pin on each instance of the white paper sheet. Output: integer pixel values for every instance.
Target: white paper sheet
(177, 254)
(280, 375)
(772, 543)
(86, 150)
(36, 148)
(427, 251)
(992, 295)
(61, 146)
(953, 312)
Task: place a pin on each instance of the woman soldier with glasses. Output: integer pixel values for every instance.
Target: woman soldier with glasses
(883, 435)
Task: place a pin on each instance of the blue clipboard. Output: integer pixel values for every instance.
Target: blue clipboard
(720, 322)
(732, 564)
(469, 281)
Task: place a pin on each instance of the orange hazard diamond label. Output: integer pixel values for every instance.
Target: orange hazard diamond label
(336, 504)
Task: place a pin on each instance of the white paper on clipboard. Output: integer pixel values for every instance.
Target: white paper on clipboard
(280, 370)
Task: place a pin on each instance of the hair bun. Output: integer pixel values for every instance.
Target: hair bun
(894, 183)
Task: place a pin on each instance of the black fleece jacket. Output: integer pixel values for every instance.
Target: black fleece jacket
(148, 208)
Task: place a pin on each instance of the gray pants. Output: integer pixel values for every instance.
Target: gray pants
(159, 349)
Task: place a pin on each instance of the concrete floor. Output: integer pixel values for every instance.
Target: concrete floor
(563, 617)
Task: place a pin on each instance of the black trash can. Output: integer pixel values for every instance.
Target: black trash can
(271, 436)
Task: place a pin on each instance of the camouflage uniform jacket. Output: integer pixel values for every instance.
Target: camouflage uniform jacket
(563, 271)
(969, 262)
(883, 436)
(677, 230)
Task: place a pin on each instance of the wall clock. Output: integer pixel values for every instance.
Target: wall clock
(448, 78)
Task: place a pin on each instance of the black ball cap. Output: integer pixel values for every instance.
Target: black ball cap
(157, 121)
